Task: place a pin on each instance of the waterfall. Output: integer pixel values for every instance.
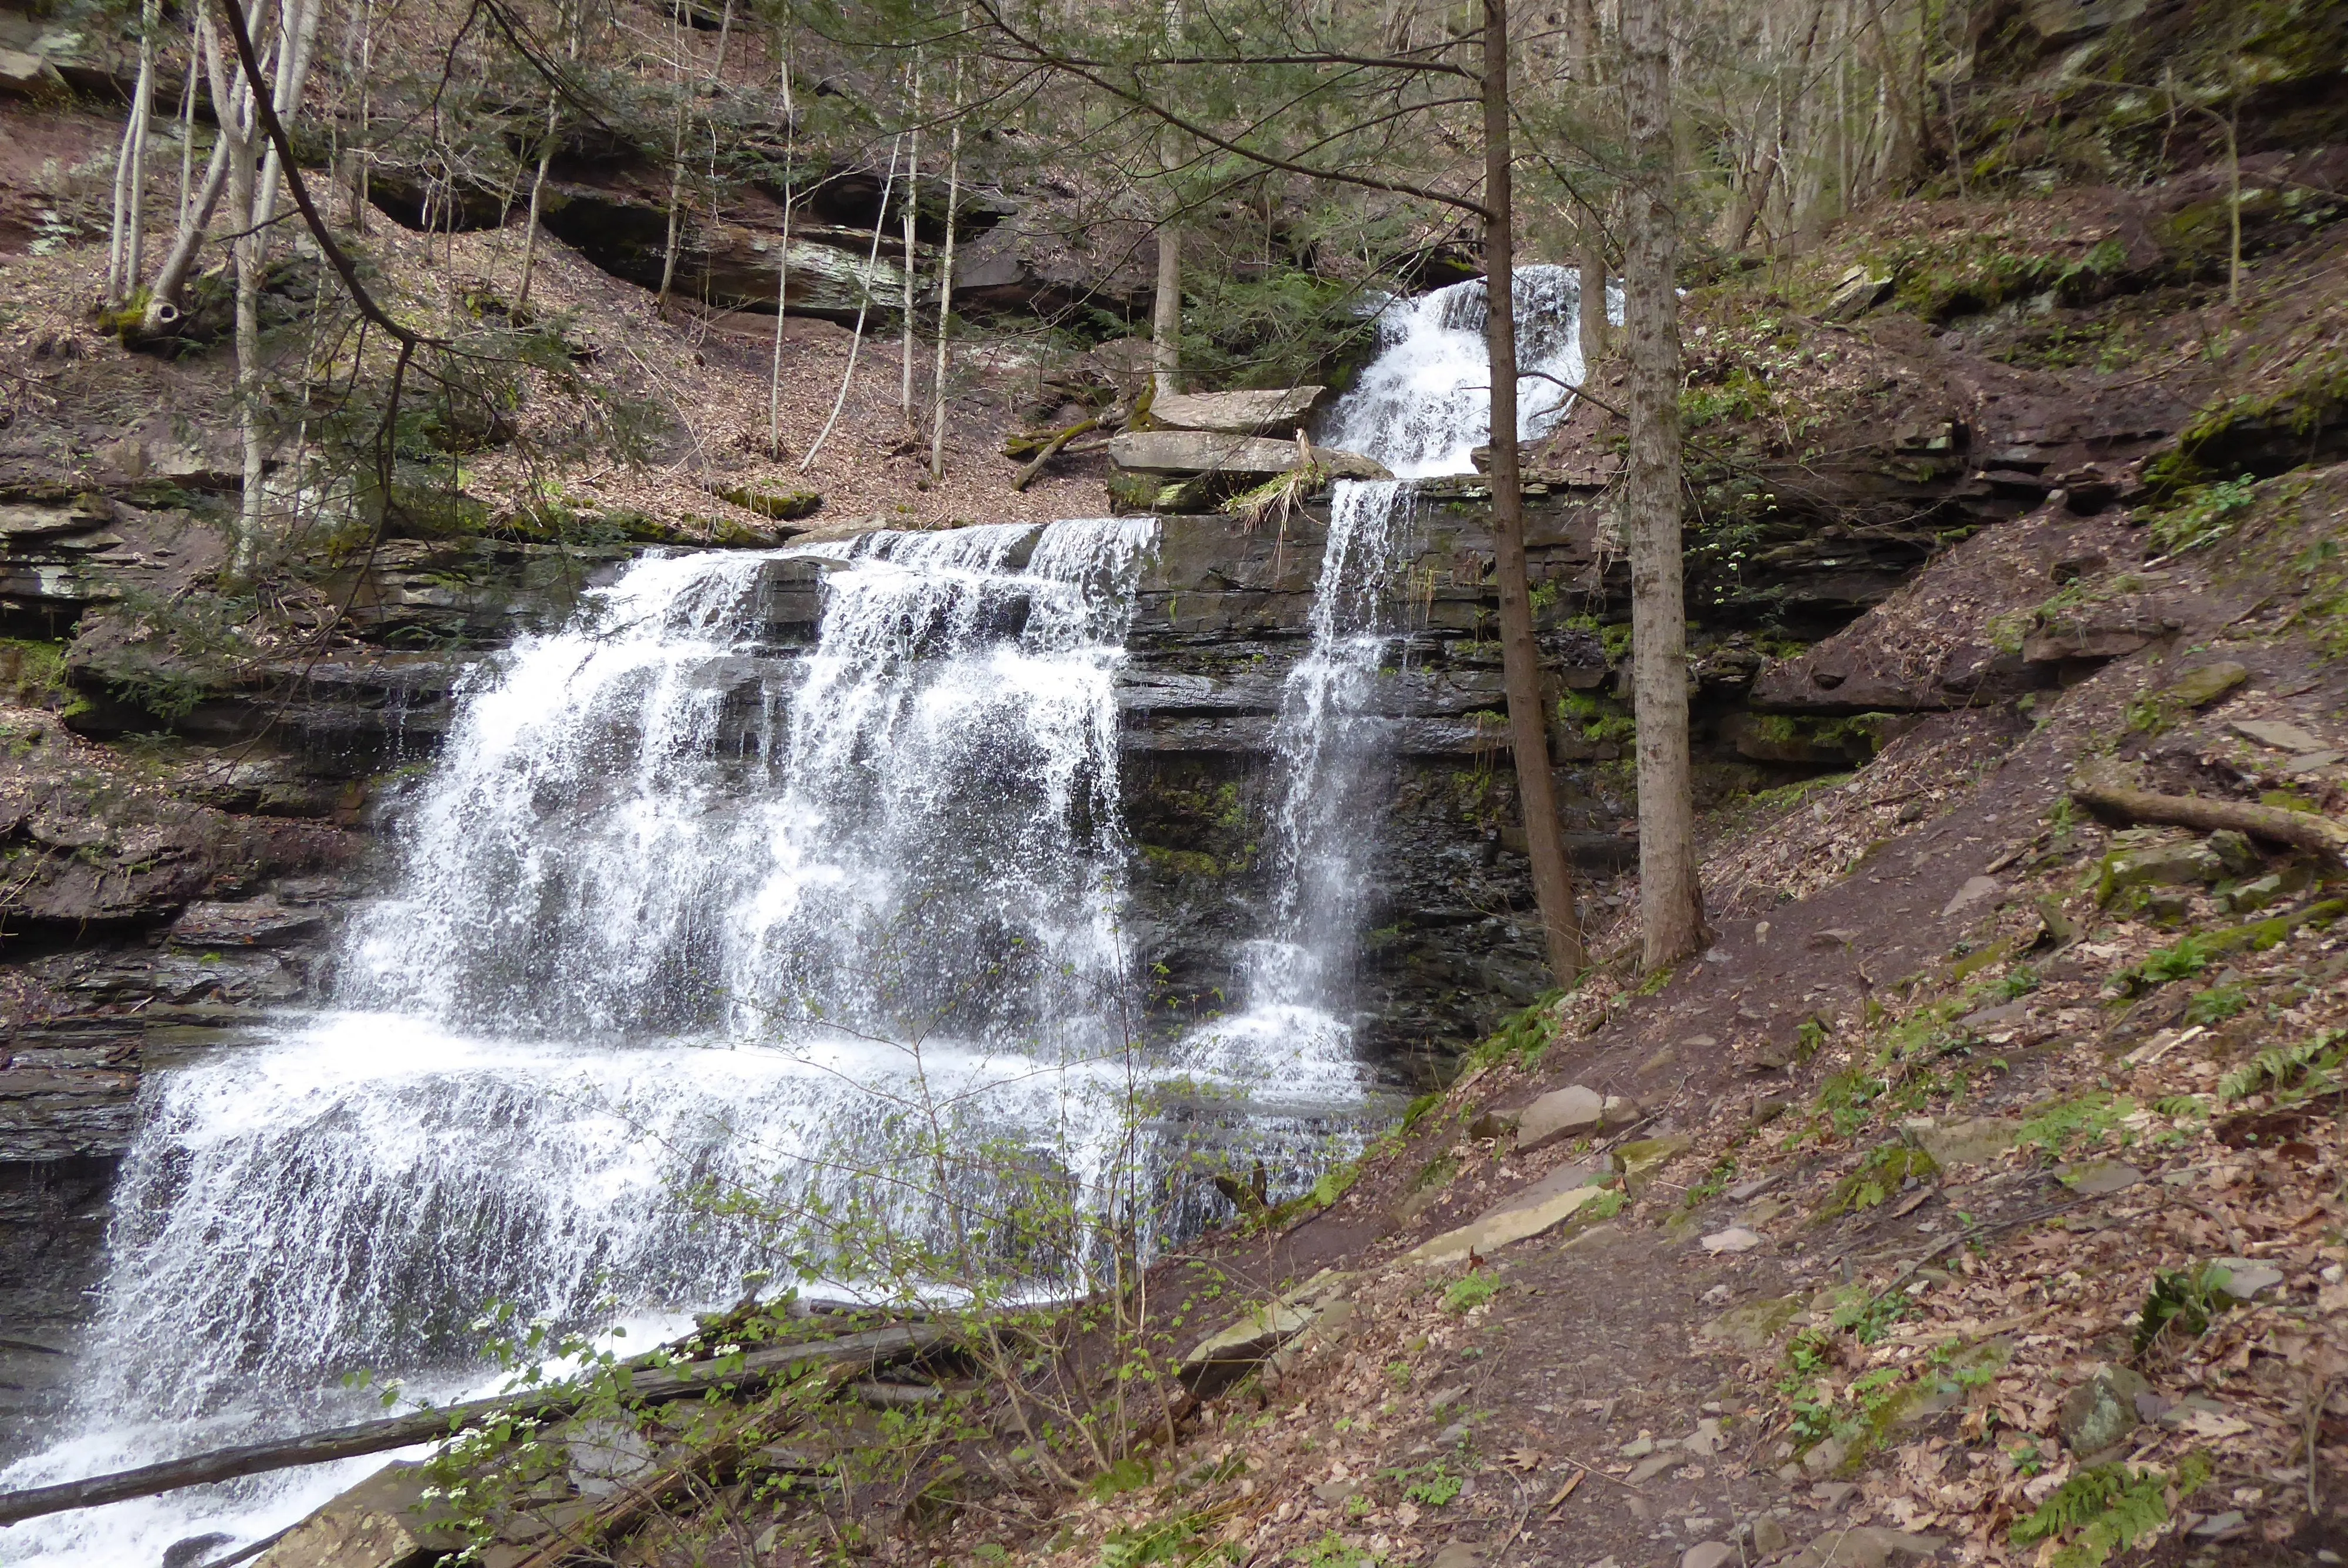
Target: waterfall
(1331, 745)
(1424, 403)
(691, 899)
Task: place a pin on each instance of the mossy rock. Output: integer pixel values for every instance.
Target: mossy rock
(1878, 1176)
(1640, 1160)
(784, 506)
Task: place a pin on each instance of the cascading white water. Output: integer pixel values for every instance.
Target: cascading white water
(1424, 403)
(1330, 742)
(680, 908)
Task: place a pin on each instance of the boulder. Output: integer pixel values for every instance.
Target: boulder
(1542, 1207)
(381, 1522)
(1570, 1114)
(2102, 1410)
(2162, 865)
(1269, 413)
(1641, 1160)
(27, 74)
(1754, 1325)
(1176, 453)
(2200, 687)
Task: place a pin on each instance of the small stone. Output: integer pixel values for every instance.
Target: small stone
(1336, 1493)
(1769, 1536)
(2312, 762)
(1637, 1448)
(2162, 865)
(1648, 1469)
(2102, 1410)
(1986, 1018)
(1833, 936)
(1706, 1439)
(1715, 1296)
(2096, 1178)
(1736, 1238)
(2234, 851)
(1444, 1399)
(1450, 1434)
(1826, 1458)
(1832, 1493)
(1459, 1554)
(1708, 1555)
(2281, 736)
(2220, 1526)
(1867, 1546)
(1975, 890)
(2199, 688)
(2245, 1279)
(1492, 1124)
(2257, 894)
(1755, 1324)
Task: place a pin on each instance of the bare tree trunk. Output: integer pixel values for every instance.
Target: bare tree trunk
(1671, 901)
(863, 305)
(1166, 313)
(783, 252)
(1519, 654)
(1583, 43)
(678, 29)
(912, 191)
(231, 107)
(945, 290)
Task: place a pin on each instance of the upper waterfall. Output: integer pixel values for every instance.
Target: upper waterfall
(1424, 403)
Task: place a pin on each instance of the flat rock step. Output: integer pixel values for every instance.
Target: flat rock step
(1268, 412)
(1176, 453)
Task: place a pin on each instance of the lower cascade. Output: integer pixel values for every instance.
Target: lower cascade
(772, 876)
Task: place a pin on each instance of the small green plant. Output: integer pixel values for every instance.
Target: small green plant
(2019, 982)
(1161, 1540)
(2203, 514)
(1330, 1551)
(1880, 1176)
(1434, 1486)
(1399, 1374)
(2109, 1509)
(2181, 961)
(1606, 1205)
(2215, 1005)
(2310, 1067)
(2184, 1300)
(1473, 1291)
(2085, 1119)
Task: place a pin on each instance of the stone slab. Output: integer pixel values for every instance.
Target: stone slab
(1543, 1206)
(2275, 733)
(1268, 412)
(1177, 454)
(1569, 1113)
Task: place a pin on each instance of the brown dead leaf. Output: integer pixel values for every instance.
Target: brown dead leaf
(1524, 1458)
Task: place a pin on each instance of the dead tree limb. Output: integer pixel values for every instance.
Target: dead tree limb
(1051, 449)
(2278, 825)
(851, 1352)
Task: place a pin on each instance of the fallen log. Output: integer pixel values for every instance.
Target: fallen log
(1051, 449)
(2300, 829)
(647, 1386)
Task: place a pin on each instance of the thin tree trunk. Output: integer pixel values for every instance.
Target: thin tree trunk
(1671, 901)
(1165, 312)
(679, 26)
(945, 291)
(187, 122)
(255, 203)
(229, 107)
(782, 255)
(912, 189)
(863, 304)
(1519, 654)
(1583, 44)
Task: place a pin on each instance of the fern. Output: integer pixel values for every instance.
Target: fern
(2107, 1509)
(2313, 1060)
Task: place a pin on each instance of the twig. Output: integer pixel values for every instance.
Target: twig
(1601, 1475)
